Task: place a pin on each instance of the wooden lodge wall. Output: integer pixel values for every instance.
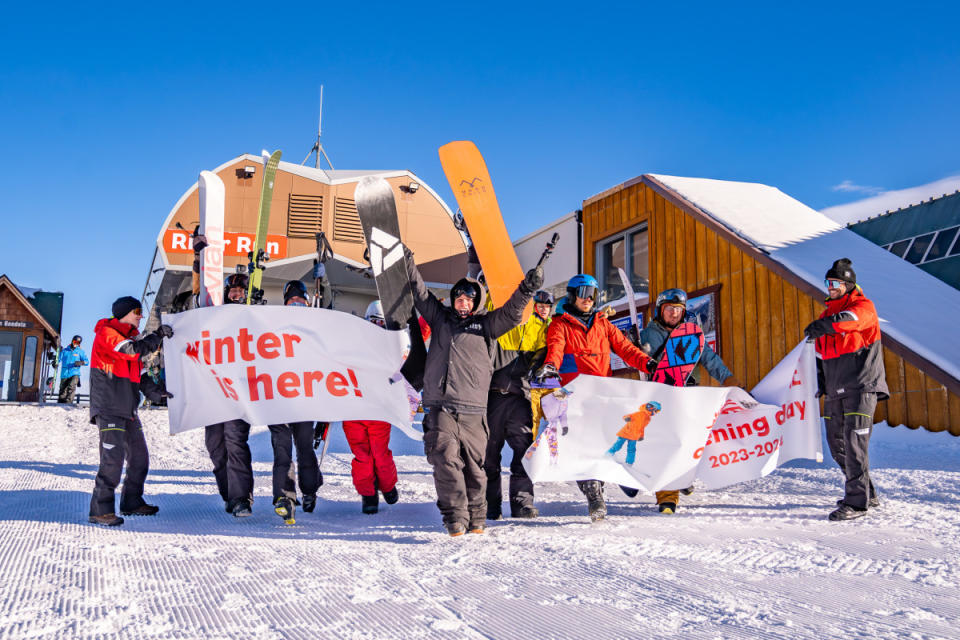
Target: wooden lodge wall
(762, 313)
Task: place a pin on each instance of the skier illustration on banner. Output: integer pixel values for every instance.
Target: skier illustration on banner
(632, 432)
(553, 406)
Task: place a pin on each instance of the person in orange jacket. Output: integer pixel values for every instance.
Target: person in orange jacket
(850, 373)
(579, 340)
(632, 432)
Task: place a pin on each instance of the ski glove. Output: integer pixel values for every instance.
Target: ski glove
(164, 331)
(651, 365)
(199, 243)
(533, 281)
(545, 372)
(818, 328)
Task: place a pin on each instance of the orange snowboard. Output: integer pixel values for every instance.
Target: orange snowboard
(470, 181)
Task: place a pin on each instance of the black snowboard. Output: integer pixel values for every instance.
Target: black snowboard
(378, 215)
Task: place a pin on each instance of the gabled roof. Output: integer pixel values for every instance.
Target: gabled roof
(6, 282)
(917, 311)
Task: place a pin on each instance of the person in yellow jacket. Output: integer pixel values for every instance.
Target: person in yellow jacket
(509, 416)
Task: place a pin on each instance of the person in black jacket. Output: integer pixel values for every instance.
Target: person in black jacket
(115, 388)
(456, 381)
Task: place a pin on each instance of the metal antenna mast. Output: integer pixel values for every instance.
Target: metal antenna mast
(317, 146)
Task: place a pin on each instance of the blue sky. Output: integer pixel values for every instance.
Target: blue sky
(109, 114)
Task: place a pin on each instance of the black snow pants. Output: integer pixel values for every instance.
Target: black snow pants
(120, 438)
(455, 444)
(232, 465)
(284, 437)
(68, 388)
(849, 422)
(510, 420)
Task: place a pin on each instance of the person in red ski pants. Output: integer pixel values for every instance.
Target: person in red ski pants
(373, 469)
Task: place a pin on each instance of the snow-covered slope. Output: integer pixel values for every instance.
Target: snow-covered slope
(915, 308)
(757, 560)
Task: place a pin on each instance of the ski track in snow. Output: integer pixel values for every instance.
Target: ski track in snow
(757, 560)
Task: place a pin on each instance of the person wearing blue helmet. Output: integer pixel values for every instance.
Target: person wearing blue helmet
(669, 310)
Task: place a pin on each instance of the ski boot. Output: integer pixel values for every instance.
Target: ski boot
(494, 511)
(873, 503)
(596, 506)
(391, 497)
(240, 507)
(630, 492)
(309, 502)
(107, 520)
(143, 510)
(371, 504)
(667, 508)
(526, 511)
(455, 529)
(846, 512)
(284, 508)
(477, 527)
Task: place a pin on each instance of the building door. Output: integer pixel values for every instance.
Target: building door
(9, 364)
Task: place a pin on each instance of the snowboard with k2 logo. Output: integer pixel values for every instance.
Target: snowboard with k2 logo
(680, 355)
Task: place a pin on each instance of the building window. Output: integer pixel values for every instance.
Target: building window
(941, 245)
(29, 361)
(918, 249)
(629, 251)
(899, 248)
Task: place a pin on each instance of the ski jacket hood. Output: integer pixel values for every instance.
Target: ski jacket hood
(573, 348)
(656, 333)
(850, 357)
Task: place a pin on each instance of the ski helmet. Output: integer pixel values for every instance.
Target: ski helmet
(653, 406)
(583, 286)
(76, 339)
(235, 281)
(294, 289)
(669, 296)
(543, 297)
(374, 313)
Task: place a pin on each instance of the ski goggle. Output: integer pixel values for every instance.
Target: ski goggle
(464, 290)
(77, 339)
(542, 297)
(377, 320)
(830, 283)
(586, 292)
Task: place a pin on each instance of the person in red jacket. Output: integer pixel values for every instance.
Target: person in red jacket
(851, 376)
(115, 388)
(579, 340)
(372, 468)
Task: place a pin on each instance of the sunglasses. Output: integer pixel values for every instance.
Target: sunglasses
(833, 284)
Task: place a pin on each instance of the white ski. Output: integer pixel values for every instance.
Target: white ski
(212, 202)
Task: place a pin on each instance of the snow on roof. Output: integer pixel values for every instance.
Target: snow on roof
(891, 201)
(915, 308)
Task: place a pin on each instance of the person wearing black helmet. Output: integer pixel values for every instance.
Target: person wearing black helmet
(456, 382)
(71, 359)
(669, 310)
(227, 442)
(851, 376)
(509, 415)
(283, 438)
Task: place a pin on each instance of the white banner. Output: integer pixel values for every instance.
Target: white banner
(272, 364)
(653, 436)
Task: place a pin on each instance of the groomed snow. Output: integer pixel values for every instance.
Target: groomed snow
(757, 560)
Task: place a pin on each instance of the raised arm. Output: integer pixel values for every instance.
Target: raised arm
(425, 302)
(509, 315)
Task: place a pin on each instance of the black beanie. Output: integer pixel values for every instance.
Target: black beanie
(842, 269)
(125, 305)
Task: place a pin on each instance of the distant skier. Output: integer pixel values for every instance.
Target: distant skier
(283, 437)
(227, 442)
(115, 388)
(509, 416)
(579, 340)
(456, 382)
(72, 357)
(373, 469)
(850, 373)
(669, 310)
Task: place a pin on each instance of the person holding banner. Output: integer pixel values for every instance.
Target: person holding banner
(457, 379)
(115, 388)
(226, 442)
(669, 310)
(283, 438)
(579, 340)
(850, 373)
(509, 414)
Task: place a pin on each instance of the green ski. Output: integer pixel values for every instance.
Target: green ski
(258, 256)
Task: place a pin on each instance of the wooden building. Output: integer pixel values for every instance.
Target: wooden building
(305, 202)
(29, 330)
(761, 256)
